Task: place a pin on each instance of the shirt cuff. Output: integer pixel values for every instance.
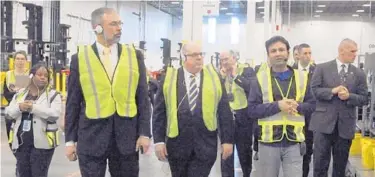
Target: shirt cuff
(70, 143)
(144, 136)
(159, 143)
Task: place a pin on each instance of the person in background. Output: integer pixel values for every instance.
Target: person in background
(236, 78)
(191, 105)
(279, 98)
(34, 132)
(108, 109)
(15, 80)
(295, 55)
(304, 64)
(339, 87)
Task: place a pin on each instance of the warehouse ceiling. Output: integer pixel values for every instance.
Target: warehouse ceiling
(313, 8)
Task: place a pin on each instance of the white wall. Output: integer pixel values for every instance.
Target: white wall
(323, 36)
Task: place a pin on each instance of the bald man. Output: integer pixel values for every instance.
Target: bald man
(339, 87)
(190, 106)
(236, 77)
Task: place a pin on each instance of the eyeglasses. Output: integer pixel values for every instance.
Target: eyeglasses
(196, 54)
(115, 24)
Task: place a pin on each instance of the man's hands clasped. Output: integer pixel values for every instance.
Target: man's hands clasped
(341, 91)
(288, 106)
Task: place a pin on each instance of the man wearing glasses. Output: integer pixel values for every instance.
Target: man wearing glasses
(108, 110)
(236, 77)
(191, 105)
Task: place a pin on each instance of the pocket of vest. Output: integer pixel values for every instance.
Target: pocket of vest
(295, 133)
(52, 135)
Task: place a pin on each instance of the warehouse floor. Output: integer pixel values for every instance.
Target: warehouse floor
(150, 166)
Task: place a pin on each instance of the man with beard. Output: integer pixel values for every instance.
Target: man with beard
(279, 98)
(108, 110)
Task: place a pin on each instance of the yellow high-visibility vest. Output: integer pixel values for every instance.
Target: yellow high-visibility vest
(211, 96)
(105, 96)
(276, 127)
(239, 95)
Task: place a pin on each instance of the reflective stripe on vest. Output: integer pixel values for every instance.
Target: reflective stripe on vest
(103, 97)
(239, 95)
(211, 93)
(274, 128)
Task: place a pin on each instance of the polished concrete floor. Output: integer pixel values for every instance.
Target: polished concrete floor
(149, 164)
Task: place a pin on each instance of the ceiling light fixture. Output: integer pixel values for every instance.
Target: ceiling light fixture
(229, 13)
(224, 8)
(366, 5)
(319, 11)
(355, 15)
(360, 10)
(261, 7)
(261, 12)
(316, 16)
(322, 5)
(175, 2)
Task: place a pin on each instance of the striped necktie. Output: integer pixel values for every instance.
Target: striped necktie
(193, 93)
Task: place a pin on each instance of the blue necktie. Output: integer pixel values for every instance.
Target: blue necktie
(193, 93)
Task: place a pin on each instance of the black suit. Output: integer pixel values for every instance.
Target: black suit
(193, 152)
(243, 131)
(309, 135)
(113, 138)
(334, 120)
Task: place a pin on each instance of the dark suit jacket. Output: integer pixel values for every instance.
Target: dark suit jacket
(193, 135)
(329, 108)
(94, 135)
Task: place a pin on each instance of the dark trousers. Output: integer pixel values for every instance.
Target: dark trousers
(32, 162)
(325, 144)
(119, 165)
(243, 138)
(8, 125)
(194, 166)
(309, 151)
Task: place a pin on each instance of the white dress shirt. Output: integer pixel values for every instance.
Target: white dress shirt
(300, 67)
(113, 55)
(339, 63)
(188, 79)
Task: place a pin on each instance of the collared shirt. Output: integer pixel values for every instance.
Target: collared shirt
(300, 67)
(339, 63)
(113, 55)
(188, 79)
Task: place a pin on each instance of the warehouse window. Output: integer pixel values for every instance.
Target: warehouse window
(235, 30)
(211, 30)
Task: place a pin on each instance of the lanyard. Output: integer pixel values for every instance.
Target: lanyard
(281, 91)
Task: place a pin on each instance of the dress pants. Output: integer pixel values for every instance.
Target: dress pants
(243, 139)
(32, 162)
(119, 165)
(193, 166)
(309, 151)
(325, 144)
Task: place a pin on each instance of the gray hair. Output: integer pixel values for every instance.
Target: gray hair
(234, 54)
(96, 15)
(20, 52)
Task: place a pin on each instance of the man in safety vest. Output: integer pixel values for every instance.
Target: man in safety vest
(237, 77)
(190, 106)
(279, 98)
(107, 109)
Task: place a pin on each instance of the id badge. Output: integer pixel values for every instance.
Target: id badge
(26, 125)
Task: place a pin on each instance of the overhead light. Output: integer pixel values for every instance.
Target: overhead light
(360, 10)
(261, 12)
(258, 0)
(175, 2)
(316, 16)
(261, 7)
(322, 5)
(355, 15)
(263, 16)
(366, 5)
(229, 13)
(224, 8)
(319, 11)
